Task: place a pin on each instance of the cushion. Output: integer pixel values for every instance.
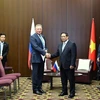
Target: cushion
(84, 64)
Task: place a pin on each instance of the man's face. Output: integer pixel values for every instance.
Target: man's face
(64, 37)
(38, 29)
(2, 38)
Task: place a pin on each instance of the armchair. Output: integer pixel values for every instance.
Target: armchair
(47, 69)
(84, 68)
(48, 66)
(12, 76)
(8, 69)
(3, 83)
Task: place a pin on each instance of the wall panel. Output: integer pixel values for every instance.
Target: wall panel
(79, 23)
(56, 16)
(1, 15)
(11, 29)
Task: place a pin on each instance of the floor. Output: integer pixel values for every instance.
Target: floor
(83, 91)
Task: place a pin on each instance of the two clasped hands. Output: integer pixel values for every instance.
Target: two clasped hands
(48, 56)
(1, 57)
(98, 59)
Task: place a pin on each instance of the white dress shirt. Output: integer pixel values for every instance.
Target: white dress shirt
(64, 44)
(1, 48)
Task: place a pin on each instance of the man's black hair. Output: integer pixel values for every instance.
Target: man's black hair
(64, 33)
(2, 34)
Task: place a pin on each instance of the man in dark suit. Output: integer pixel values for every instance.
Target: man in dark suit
(4, 48)
(98, 59)
(38, 45)
(98, 56)
(67, 57)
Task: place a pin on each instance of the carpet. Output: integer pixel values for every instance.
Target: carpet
(83, 91)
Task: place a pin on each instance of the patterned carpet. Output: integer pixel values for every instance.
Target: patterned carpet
(83, 91)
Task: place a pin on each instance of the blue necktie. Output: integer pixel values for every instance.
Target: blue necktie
(42, 40)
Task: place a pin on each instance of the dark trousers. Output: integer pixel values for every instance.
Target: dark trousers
(68, 74)
(3, 63)
(37, 75)
(98, 70)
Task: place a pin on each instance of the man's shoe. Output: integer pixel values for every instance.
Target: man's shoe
(63, 93)
(37, 92)
(71, 95)
(41, 91)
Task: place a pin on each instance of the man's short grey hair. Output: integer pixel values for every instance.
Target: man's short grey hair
(38, 25)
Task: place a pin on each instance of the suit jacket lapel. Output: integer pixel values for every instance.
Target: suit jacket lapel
(61, 48)
(39, 39)
(4, 44)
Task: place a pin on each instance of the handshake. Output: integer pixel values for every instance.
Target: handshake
(48, 55)
(98, 59)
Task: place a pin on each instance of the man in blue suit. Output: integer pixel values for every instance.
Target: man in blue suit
(67, 53)
(38, 44)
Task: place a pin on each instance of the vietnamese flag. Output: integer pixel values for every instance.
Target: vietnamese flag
(92, 47)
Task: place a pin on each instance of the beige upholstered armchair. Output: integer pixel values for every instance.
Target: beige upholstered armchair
(84, 69)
